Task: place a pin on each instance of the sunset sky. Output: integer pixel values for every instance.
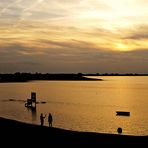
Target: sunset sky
(60, 36)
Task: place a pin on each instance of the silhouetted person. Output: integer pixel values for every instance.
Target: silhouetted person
(42, 119)
(50, 119)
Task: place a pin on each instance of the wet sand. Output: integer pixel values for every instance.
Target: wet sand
(19, 134)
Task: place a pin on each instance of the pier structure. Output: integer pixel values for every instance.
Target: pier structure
(31, 102)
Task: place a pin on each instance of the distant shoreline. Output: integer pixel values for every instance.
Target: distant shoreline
(26, 77)
(15, 132)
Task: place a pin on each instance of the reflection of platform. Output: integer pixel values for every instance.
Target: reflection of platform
(33, 111)
(122, 113)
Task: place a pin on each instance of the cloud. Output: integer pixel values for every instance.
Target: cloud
(139, 32)
(39, 15)
(72, 56)
(37, 10)
(74, 35)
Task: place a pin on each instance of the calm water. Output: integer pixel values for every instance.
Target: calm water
(82, 105)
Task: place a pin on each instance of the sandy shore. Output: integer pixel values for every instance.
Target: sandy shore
(16, 133)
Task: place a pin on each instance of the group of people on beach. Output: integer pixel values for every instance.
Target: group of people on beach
(50, 119)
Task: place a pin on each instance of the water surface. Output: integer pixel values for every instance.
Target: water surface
(82, 105)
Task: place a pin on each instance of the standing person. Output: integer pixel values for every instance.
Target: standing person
(42, 117)
(50, 119)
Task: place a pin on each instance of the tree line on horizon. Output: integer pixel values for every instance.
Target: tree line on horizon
(23, 77)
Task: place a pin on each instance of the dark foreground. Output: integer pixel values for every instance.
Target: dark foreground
(18, 134)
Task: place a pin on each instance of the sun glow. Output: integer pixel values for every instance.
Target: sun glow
(40, 1)
(122, 47)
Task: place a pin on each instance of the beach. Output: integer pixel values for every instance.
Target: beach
(16, 133)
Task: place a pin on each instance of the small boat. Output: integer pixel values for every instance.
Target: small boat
(122, 113)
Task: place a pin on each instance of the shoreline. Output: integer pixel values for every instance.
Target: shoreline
(12, 130)
(50, 80)
(26, 77)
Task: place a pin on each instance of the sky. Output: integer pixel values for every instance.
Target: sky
(71, 36)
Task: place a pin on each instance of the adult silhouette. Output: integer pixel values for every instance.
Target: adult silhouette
(42, 117)
(50, 119)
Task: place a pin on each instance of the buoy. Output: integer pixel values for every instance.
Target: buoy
(119, 130)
